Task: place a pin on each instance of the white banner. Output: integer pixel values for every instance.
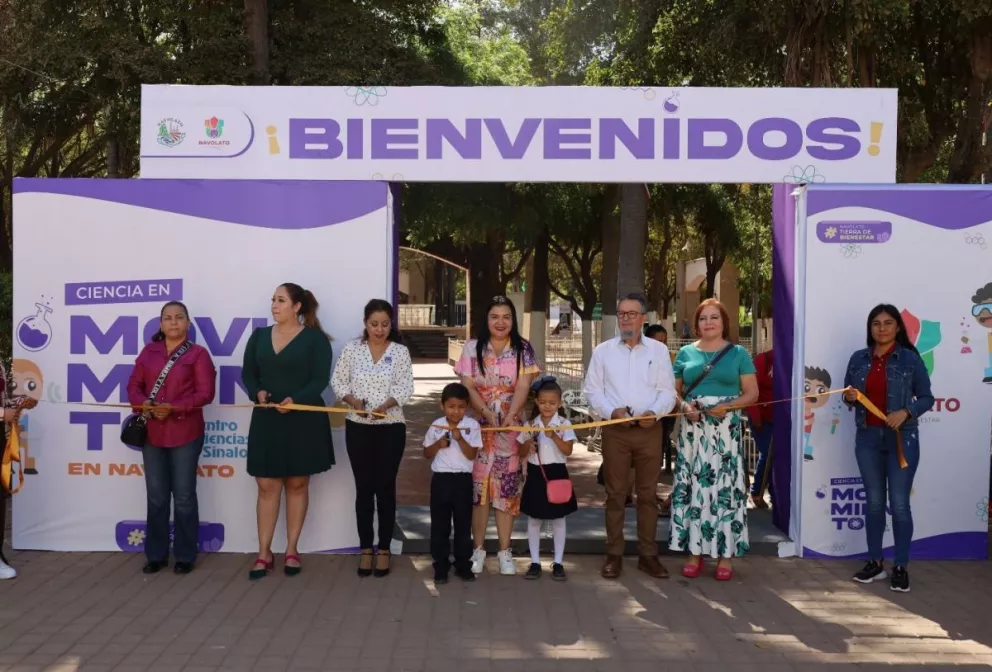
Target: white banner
(94, 262)
(928, 251)
(519, 134)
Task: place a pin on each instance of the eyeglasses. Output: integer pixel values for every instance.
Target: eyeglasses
(981, 307)
(629, 314)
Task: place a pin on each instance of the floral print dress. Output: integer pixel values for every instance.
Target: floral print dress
(498, 472)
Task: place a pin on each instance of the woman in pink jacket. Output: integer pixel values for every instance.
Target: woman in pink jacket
(175, 435)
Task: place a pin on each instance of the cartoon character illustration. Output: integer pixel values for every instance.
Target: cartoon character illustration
(982, 312)
(817, 382)
(27, 382)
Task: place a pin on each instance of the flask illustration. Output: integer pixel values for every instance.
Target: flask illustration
(34, 332)
(672, 104)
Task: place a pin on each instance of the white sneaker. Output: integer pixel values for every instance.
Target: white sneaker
(6, 571)
(507, 567)
(478, 561)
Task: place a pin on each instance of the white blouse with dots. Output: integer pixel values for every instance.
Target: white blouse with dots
(374, 382)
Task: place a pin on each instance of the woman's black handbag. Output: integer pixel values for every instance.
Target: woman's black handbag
(134, 431)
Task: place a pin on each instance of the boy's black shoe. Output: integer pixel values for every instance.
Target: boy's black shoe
(440, 578)
(533, 572)
(558, 572)
(872, 571)
(465, 574)
(900, 580)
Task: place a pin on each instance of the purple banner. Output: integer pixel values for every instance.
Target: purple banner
(854, 232)
(123, 291)
(951, 546)
(783, 336)
(952, 207)
(131, 534)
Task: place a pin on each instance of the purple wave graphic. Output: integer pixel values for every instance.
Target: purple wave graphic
(270, 204)
(951, 546)
(952, 207)
(130, 536)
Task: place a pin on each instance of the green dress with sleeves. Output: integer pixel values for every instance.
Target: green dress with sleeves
(298, 443)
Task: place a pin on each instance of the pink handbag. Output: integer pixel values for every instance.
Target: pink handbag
(560, 490)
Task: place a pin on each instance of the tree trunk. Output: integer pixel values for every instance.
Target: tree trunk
(538, 289)
(257, 19)
(483, 273)
(633, 236)
(611, 262)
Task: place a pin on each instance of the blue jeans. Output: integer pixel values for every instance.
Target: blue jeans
(170, 478)
(878, 461)
(763, 440)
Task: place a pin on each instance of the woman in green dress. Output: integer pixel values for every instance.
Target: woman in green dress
(709, 503)
(289, 362)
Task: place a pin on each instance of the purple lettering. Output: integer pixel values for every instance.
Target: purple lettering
(213, 342)
(314, 139)
(356, 138)
(80, 376)
(671, 140)
(468, 146)
(230, 381)
(95, 422)
(759, 129)
(732, 135)
(818, 131)
(82, 327)
(383, 137)
(555, 137)
(516, 148)
(640, 145)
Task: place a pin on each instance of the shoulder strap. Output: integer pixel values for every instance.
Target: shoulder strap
(707, 369)
(180, 351)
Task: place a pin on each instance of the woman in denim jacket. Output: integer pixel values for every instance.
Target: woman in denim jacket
(891, 373)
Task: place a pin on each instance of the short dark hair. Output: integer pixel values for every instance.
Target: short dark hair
(983, 295)
(655, 329)
(635, 296)
(454, 391)
(813, 373)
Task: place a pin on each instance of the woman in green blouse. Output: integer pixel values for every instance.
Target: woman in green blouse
(709, 503)
(289, 362)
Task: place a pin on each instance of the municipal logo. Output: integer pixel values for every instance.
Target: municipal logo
(213, 127)
(925, 335)
(170, 132)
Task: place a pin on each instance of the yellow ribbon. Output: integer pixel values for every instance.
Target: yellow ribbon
(874, 410)
(11, 454)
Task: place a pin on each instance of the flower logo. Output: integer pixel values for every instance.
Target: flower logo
(830, 233)
(925, 335)
(213, 127)
(801, 175)
(850, 250)
(363, 95)
(136, 537)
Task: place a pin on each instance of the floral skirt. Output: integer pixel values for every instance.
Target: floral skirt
(497, 477)
(709, 502)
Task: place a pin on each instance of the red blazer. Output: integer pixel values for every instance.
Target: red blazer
(762, 414)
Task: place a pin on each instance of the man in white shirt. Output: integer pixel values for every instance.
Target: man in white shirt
(631, 377)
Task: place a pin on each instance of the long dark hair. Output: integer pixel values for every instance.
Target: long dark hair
(382, 306)
(902, 338)
(160, 335)
(517, 342)
(308, 304)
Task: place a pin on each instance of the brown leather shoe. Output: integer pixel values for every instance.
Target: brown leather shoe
(612, 566)
(652, 567)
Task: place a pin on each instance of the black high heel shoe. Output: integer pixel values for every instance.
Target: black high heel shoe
(365, 563)
(381, 571)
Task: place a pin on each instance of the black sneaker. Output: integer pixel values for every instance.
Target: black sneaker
(154, 567)
(465, 574)
(558, 572)
(900, 580)
(533, 572)
(183, 567)
(440, 578)
(872, 571)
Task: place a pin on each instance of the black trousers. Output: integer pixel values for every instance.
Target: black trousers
(375, 452)
(451, 499)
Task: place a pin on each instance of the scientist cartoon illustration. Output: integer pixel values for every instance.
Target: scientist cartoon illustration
(27, 382)
(817, 383)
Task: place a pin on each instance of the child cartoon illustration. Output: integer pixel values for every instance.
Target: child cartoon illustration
(27, 382)
(982, 312)
(817, 382)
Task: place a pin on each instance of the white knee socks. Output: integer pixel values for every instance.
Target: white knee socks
(534, 539)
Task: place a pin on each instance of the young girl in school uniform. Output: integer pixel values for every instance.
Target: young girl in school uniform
(547, 452)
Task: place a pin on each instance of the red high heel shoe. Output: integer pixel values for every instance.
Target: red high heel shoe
(261, 568)
(724, 573)
(692, 570)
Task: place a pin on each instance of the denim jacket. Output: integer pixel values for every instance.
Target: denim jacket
(907, 383)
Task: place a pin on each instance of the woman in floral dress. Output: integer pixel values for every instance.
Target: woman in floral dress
(709, 502)
(497, 368)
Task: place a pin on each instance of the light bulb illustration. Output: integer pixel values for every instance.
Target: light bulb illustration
(672, 104)
(34, 333)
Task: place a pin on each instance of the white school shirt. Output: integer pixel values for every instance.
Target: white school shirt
(640, 378)
(545, 444)
(392, 376)
(452, 460)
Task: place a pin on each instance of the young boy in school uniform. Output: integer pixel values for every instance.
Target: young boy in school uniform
(452, 443)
